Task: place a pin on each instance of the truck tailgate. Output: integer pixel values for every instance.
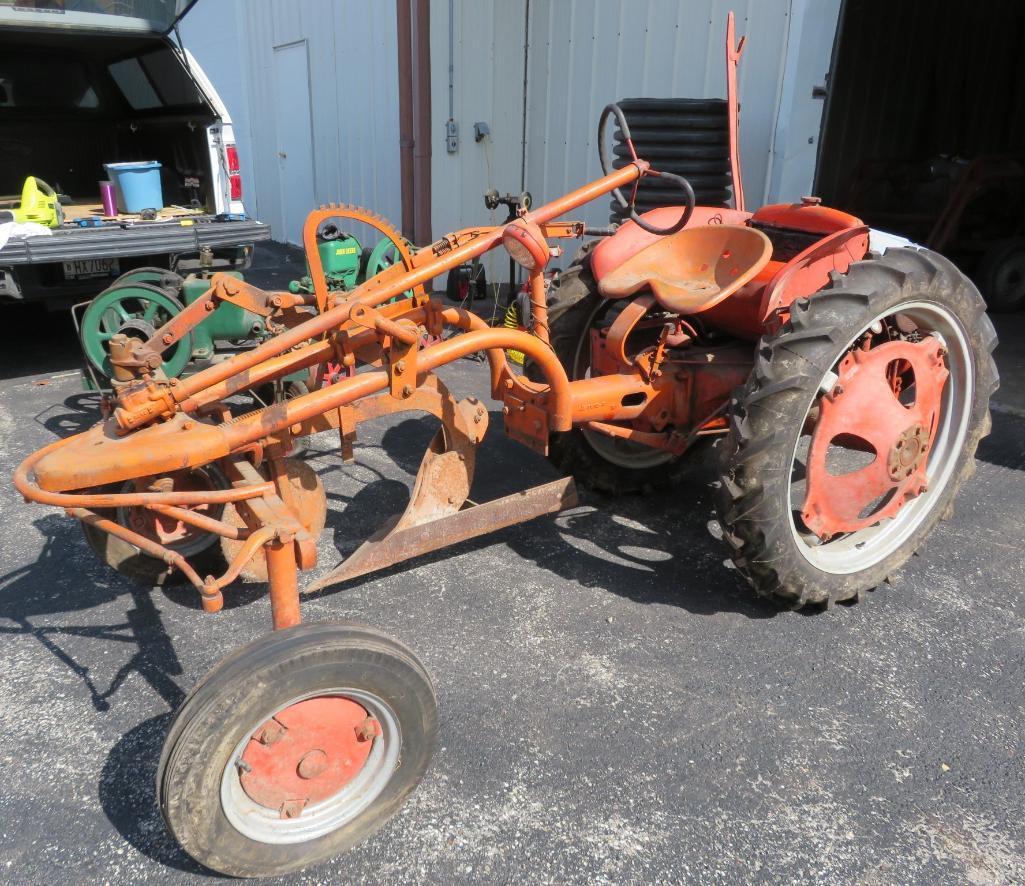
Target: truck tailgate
(142, 239)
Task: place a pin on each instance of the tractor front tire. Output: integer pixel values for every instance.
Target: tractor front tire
(760, 515)
(295, 748)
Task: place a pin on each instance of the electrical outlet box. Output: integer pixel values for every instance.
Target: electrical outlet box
(451, 136)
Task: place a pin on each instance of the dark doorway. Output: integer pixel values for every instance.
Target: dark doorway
(924, 129)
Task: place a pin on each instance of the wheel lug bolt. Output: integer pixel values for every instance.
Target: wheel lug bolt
(270, 733)
(368, 730)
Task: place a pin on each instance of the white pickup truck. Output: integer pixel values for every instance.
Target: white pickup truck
(84, 83)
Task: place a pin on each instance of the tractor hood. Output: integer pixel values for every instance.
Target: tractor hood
(157, 17)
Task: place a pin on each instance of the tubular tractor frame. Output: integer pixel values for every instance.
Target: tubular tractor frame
(162, 427)
(849, 389)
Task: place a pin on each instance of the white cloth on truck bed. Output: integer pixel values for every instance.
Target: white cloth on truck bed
(21, 230)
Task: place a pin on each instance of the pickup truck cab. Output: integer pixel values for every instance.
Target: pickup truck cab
(90, 83)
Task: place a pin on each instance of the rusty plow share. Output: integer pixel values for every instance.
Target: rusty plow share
(438, 513)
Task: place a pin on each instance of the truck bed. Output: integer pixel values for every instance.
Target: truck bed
(142, 238)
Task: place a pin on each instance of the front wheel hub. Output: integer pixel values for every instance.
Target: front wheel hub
(908, 454)
(182, 537)
(886, 404)
(306, 753)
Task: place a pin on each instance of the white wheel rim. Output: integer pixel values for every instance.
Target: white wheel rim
(861, 550)
(265, 825)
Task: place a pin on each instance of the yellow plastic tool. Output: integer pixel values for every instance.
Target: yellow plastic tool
(39, 204)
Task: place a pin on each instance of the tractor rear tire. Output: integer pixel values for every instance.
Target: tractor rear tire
(202, 551)
(223, 773)
(573, 304)
(759, 516)
(1001, 276)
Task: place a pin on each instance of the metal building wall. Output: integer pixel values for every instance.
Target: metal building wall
(352, 97)
(487, 39)
(581, 55)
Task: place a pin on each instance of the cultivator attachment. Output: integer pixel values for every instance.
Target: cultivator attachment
(383, 340)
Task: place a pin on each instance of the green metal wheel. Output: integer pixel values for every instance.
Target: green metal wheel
(159, 277)
(137, 310)
(384, 255)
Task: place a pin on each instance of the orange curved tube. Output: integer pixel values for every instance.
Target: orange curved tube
(246, 553)
(560, 407)
(252, 428)
(464, 319)
(151, 547)
(201, 521)
(103, 500)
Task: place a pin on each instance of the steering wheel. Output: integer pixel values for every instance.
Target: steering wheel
(688, 192)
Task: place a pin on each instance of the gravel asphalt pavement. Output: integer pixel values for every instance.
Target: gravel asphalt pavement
(615, 704)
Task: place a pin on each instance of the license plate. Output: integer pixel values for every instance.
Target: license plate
(91, 267)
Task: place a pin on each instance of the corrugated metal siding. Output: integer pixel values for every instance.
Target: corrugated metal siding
(583, 54)
(488, 74)
(353, 98)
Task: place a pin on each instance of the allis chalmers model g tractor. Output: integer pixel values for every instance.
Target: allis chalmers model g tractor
(850, 388)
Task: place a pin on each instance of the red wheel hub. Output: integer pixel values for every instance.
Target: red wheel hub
(306, 753)
(169, 530)
(863, 412)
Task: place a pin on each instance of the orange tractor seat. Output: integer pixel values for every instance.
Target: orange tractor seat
(693, 269)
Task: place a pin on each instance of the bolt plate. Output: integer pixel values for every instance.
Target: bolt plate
(318, 753)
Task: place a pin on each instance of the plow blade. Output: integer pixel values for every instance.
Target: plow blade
(394, 543)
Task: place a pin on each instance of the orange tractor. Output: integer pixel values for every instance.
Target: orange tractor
(850, 390)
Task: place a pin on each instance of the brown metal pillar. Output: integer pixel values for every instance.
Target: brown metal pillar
(404, 20)
(422, 123)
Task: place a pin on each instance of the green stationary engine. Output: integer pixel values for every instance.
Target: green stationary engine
(346, 262)
(141, 301)
(340, 256)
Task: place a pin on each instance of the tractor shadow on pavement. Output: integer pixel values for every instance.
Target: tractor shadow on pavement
(649, 549)
(79, 413)
(1005, 445)
(54, 600)
(32, 595)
